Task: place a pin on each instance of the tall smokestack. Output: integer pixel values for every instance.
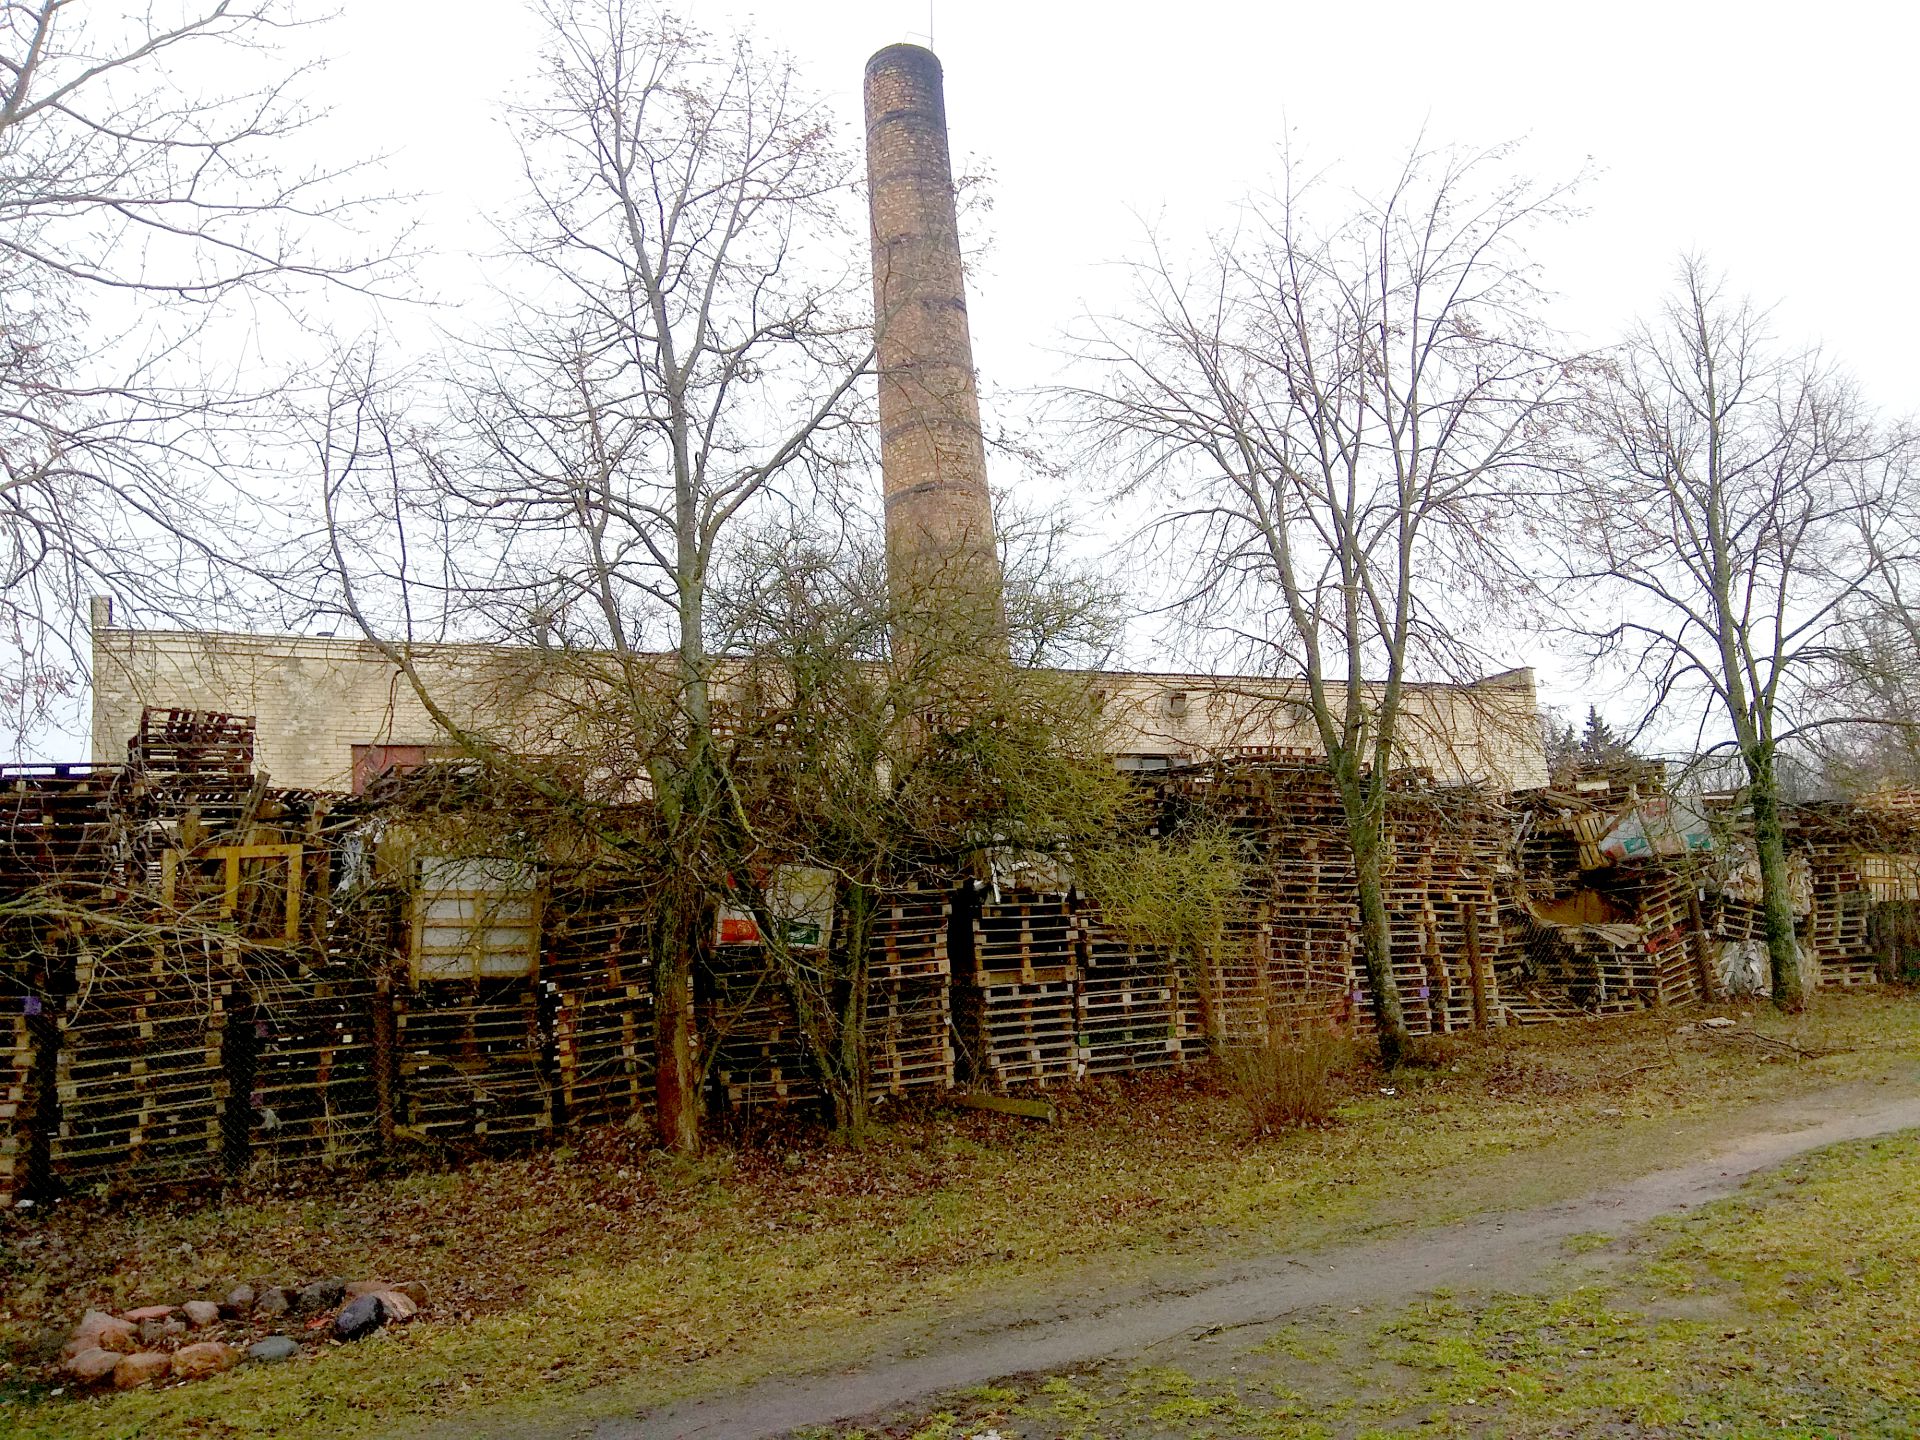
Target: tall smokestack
(940, 543)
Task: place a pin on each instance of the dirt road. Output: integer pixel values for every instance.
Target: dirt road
(1507, 1250)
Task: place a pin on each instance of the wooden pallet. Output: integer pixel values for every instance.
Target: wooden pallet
(1026, 937)
(1018, 1032)
(470, 1062)
(910, 933)
(600, 969)
(748, 1028)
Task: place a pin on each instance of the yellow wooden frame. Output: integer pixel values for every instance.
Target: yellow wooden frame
(233, 857)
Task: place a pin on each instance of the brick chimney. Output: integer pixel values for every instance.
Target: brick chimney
(940, 543)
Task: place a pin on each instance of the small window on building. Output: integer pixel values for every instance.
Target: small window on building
(1177, 702)
(1142, 762)
(475, 918)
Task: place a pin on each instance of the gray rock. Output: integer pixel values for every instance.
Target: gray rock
(273, 1349)
(201, 1313)
(359, 1318)
(239, 1300)
(158, 1332)
(321, 1295)
(274, 1300)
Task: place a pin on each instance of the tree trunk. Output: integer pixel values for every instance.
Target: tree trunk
(676, 1094)
(1376, 942)
(852, 1099)
(1776, 893)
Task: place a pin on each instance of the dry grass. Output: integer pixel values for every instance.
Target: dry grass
(607, 1277)
(1289, 1082)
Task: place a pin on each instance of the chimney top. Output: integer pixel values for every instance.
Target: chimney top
(905, 56)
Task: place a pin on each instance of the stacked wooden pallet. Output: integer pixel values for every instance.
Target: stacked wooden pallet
(1234, 993)
(18, 1093)
(470, 1061)
(1129, 1002)
(600, 970)
(1838, 928)
(1446, 849)
(1014, 1000)
(1664, 918)
(197, 762)
(749, 1031)
(311, 1096)
(909, 1014)
(63, 824)
(142, 1087)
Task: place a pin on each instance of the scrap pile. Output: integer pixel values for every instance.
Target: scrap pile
(1601, 914)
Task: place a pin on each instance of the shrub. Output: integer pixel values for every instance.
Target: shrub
(1288, 1081)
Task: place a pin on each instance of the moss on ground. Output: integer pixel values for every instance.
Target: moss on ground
(608, 1278)
(1789, 1311)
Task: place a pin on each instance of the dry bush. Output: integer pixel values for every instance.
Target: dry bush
(1288, 1081)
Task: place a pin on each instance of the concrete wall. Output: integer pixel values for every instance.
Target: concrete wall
(1486, 732)
(314, 699)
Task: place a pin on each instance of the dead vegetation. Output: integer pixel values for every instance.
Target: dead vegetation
(609, 1262)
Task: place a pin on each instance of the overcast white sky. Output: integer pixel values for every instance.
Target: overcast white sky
(1779, 141)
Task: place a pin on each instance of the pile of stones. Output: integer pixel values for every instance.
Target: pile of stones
(196, 1338)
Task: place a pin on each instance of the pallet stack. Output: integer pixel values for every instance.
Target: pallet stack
(909, 988)
(194, 762)
(749, 1031)
(1129, 1012)
(142, 1087)
(64, 825)
(1662, 913)
(470, 1062)
(18, 1094)
(601, 972)
(1295, 955)
(312, 1092)
(1015, 993)
(1838, 927)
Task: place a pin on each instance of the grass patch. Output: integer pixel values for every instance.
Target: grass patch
(1789, 1311)
(608, 1278)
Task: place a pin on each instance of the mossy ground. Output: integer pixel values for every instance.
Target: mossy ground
(1788, 1311)
(605, 1278)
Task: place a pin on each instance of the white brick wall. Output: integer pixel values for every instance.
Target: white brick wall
(313, 700)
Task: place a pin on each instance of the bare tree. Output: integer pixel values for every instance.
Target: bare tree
(134, 206)
(1738, 508)
(680, 356)
(1336, 422)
